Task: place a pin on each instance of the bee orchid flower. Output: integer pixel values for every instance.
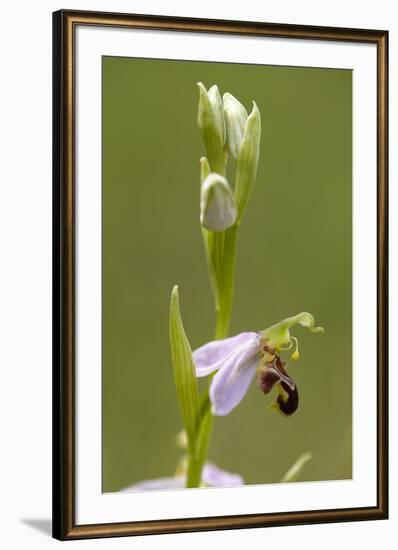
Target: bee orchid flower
(239, 359)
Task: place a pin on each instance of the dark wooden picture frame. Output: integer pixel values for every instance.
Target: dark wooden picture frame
(64, 27)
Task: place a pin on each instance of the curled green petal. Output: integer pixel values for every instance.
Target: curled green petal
(278, 335)
(247, 162)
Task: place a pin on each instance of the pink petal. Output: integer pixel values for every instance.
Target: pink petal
(162, 483)
(217, 354)
(213, 476)
(232, 381)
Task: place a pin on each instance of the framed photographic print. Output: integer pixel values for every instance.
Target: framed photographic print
(220, 274)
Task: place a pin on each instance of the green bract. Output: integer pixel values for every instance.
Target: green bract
(247, 161)
(212, 126)
(235, 121)
(184, 372)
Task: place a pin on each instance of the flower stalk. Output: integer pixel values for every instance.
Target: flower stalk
(231, 363)
(225, 128)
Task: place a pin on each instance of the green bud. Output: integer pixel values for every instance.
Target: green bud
(218, 111)
(246, 166)
(212, 126)
(217, 205)
(235, 120)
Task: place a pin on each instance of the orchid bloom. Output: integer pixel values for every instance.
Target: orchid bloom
(212, 476)
(238, 359)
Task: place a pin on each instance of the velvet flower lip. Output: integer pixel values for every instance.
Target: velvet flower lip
(239, 359)
(212, 476)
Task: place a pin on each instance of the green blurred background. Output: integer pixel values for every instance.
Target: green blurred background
(294, 254)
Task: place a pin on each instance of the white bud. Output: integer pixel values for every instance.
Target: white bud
(217, 204)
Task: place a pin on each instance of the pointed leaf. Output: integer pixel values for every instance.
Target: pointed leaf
(294, 473)
(184, 372)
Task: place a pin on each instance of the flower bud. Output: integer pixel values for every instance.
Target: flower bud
(212, 126)
(217, 205)
(246, 165)
(235, 120)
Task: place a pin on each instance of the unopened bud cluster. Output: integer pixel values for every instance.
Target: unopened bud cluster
(226, 128)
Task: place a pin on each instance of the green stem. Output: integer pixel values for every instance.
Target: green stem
(196, 462)
(226, 286)
(223, 301)
(194, 472)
